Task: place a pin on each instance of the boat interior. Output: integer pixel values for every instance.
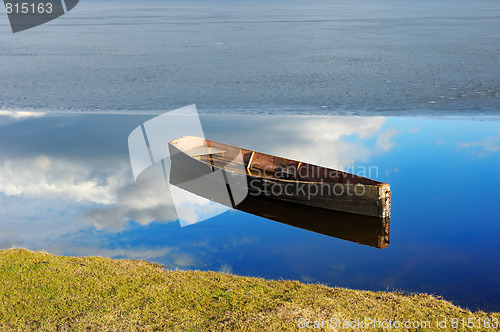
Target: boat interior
(235, 159)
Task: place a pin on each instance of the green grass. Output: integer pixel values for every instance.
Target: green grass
(40, 291)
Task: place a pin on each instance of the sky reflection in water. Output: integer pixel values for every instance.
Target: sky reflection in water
(66, 187)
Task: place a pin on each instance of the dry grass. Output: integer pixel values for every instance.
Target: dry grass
(39, 291)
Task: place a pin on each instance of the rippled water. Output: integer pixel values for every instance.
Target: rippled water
(350, 57)
(66, 187)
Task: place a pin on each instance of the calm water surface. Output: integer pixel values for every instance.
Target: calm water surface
(66, 187)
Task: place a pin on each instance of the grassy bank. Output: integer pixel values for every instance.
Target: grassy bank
(47, 292)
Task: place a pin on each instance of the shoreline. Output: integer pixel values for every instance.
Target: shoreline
(270, 110)
(43, 291)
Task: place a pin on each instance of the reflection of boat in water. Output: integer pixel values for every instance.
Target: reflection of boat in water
(371, 231)
(275, 177)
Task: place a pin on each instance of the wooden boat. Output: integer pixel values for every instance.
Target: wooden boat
(275, 177)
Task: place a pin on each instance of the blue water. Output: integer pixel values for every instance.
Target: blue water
(66, 187)
(271, 76)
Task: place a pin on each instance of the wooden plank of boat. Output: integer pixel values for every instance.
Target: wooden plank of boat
(203, 151)
(286, 179)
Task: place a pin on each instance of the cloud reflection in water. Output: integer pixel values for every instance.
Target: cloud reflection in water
(108, 185)
(66, 187)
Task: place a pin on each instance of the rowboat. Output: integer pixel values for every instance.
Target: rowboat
(245, 171)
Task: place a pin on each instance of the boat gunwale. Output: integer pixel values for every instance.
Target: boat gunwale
(181, 139)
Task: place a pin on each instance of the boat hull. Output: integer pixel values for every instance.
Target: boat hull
(365, 200)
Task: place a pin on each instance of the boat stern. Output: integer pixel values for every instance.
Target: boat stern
(385, 200)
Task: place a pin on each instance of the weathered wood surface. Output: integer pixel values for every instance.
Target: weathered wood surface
(287, 180)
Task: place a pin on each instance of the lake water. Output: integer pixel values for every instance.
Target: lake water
(273, 76)
(66, 186)
(294, 57)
